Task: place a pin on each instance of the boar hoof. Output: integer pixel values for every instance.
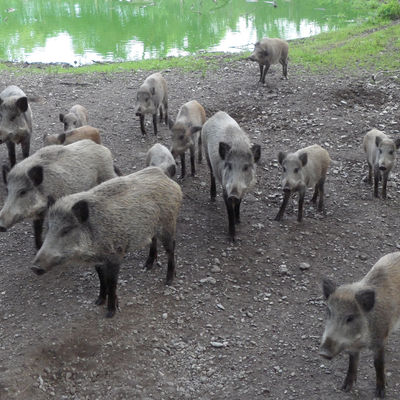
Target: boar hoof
(380, 392)
(100, 301)
(347, 386)
(110, 313)
(169, 280)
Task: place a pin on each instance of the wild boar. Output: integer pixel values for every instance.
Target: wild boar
(48, 174)
(77, 116)
(381, 157)
(270, 51)
(15, 122)
(305, 168)
(363, 314)
(159, 156)
(232, 161)
(99, 226)
(152, 97)
(81, 133)
(186, 131)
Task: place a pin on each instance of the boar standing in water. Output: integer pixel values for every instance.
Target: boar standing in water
(99, 226)
(363, 314)
(151, 97)
(77, 116)
(48, 174)
(159, 156)
(232, 161)
(381, 157)
(305, 168)
(15, 123)
(81, 133)
(270, 51)
(186, 132)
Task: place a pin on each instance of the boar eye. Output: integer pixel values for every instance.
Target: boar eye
(229, 166)
(22, 192)
(246, 167)
(284, 169)
(65, 230)
(328, 312)
(380, 151)
(349, 319)
(296, 170)
(181, 137)
(391, 152)
(13, 118)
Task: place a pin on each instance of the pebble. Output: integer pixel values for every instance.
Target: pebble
(283, 269)
(304, 266)
(209, 279)
(215, 268)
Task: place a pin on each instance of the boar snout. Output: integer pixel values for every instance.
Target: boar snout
(38, 271)
(382, 168)
(3, 228)
(327, 349)
(251, 58)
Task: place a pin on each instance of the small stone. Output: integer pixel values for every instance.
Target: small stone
(304, 266)
(217, 345)
(283, 269)
(215, 269)
(209, 279)
(165, 315)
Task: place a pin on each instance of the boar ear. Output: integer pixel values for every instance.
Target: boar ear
(256, 150)
(62, 137)
(328, 287)
(195, 129)
(303, 158)
(153, 91)
(281, 157)
(170, 123)
(366, 299)
(397, 143)
(81, 210)
(22, 103)
(378, 140)
(36, 175)
(61, 117)
(223, 149)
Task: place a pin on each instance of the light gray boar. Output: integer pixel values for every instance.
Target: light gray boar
(186, 132)
(81, 133)
(77, 116)
(152, 97)
(363, 314)
(15, 122)
(232, 161)
(270, 51)
(306, 168)
(381, 157)
(48, 174)
(159, 156)
(99, 226)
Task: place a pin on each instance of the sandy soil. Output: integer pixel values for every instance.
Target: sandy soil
(242, 321)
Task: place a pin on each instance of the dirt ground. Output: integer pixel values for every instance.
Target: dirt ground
(242, 321)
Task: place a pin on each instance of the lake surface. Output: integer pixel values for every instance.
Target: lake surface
(86, 31)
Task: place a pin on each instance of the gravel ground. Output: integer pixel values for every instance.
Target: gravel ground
(242, 321)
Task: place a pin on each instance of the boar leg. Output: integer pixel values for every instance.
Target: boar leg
(237, 211)
(103, 287)
(379, 364)
(286, 196)
(111, 271)
(169, 245)
(368, 179)
(321, 195)
(266, 68)
(5, 171)
(183, 166)
(152, 254)
(261, 71)
(315, 195)
(161, 114)
(231, 215)
(142, 128)
(351, 376)
(11, 152)
(25, 146)
(192, 160)
(213, 189)
(384, 184)
(155, 123)
(38, 229)
(284, 67)
(376, 181)
(301, 203)
(200, 155)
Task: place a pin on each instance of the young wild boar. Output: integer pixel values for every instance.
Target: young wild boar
(81, 133)
(363, 314)
(99, 226)
(305, 168)
(232, 161)
(77, 116)
(381, 157)
(270, 51)
(151, 97)
(15, 121)
(159, 156)
(186, 131)
(48, 174)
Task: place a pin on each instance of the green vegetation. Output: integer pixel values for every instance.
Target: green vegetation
(390, 10)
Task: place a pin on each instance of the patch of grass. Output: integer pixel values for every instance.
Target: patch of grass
(390, 10)
(372, 45)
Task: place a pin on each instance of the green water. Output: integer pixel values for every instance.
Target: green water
(83, 31)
